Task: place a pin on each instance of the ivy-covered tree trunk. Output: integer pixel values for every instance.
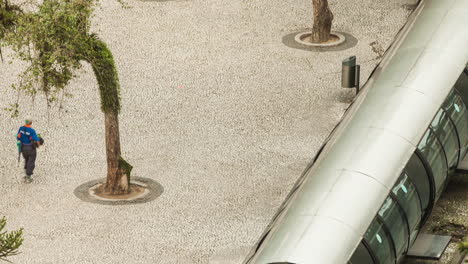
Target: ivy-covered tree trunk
(118, 170)
(323, 18)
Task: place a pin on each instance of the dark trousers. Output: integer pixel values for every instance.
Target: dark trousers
(29, 155)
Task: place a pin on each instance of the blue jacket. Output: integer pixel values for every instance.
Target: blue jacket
(26, 134)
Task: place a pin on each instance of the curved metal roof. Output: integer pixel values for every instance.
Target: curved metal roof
(326, 217)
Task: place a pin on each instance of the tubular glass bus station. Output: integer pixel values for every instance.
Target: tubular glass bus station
(365, 196)
(420, 185)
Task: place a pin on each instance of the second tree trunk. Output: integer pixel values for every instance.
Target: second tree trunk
(323, 18)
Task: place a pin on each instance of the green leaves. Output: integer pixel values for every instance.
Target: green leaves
(52, 40)
(13, 109)
(49, 40)
(9, 241)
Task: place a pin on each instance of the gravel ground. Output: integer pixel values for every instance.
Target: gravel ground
(215, 108)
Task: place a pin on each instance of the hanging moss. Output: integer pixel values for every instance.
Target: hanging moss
(100, 57)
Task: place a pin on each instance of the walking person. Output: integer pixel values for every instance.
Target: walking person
(29, 142)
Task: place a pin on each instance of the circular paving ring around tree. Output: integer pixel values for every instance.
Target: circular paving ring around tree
(146, 190)
(335, 39)
(296, 40)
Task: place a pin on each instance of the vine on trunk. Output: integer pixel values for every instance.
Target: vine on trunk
(100, 57)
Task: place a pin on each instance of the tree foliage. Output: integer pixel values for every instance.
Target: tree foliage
(48, 39)
(52, 38)
(9, 241)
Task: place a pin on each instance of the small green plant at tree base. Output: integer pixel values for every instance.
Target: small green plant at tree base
(9, 241)
(463, 248)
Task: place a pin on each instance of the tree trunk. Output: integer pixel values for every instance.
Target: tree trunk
(102, 61)
(323, 18)
(118, 178)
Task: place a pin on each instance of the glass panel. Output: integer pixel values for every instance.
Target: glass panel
(459, 114)
(361, 256)
(462, 87)
(379, 243)
(418, 174)
(409, 200)
(434, 155)
(445, 131)
(396, 224)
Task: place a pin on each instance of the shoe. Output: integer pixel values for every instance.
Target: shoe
(28, 179)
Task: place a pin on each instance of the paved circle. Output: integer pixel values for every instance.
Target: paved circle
(153, 191)
(290, 41)
(299, 39)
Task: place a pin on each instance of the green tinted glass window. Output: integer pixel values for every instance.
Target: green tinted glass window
(432, 151)
(418, 175)
(445, 131)
(380, 243)
(361, 256)
(457, 111)
(462, 87)
(408, 198)
(396, 224)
